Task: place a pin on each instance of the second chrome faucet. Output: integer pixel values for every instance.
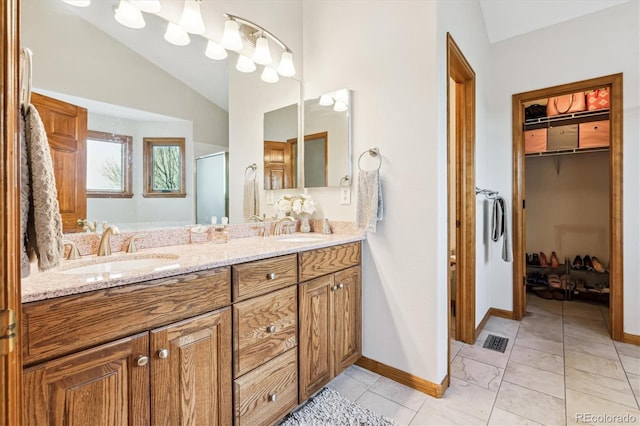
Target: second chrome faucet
(104, 249)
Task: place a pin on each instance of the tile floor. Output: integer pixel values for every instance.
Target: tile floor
(559, 365)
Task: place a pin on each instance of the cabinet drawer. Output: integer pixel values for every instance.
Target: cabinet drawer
(267, 393)
(265, 327)
(262, 276)
(63, 325)
(594, 134)
(315, 263)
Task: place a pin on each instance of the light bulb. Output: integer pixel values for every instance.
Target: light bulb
(340, 106)
(245, 64)
(262, 55)
(326, 100)
(175, 34)
(215, 51)
(149, 6)
(286, 68)
(231, 37)
(128, 15)
(269, 75)
(191, 19)
(78, 3)
(342, 95)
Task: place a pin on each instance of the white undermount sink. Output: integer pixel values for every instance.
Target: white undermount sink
(124, 263)
(300, 238)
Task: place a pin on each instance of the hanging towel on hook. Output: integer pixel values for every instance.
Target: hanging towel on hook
(370, 206)
(499, 227)
(41, 210)
(250, 201)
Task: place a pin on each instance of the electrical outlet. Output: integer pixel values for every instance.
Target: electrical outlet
(270, 198)
(345, 195)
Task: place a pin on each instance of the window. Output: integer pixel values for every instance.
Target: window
(108, 165)
(164, 173)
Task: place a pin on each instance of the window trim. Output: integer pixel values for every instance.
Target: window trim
(148, 145)
(127, 144)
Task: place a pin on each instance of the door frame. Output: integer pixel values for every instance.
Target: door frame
(614, 82)
(10, 295)
(459, 70)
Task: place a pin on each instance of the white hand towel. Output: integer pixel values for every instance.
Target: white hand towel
(250, 204)
(45, 223)
(370, 206)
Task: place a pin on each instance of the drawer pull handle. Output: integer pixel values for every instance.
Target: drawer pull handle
(340, 285)
(142, 360)
(163, 353)
(271, 276)
(273, 397)
(271, 329)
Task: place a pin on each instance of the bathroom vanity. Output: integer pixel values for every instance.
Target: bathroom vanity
(236, 333)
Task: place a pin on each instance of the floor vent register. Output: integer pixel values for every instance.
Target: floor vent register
(496, 343)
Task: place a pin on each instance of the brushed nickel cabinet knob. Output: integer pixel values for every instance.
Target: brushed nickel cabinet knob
(271, 276)
(273, 397)
(163, 353)
(142, 360)
(271, 329)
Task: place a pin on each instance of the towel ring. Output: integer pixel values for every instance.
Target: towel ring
(374, 152)
(250, 168)
(26, 77)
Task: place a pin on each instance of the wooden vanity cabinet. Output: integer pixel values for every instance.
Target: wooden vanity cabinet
(174, 371)
(330, 308)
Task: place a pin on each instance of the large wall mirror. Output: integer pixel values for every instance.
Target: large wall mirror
(327, 143)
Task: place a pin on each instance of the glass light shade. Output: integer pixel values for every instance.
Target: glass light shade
(78, 3)
(342, 95)
(286, 68)
(191, 19)
(326, 100)
(340, 106)
(231, 37)
(215, 51)
(262, 55)
(128, 15)
(245, 64)
(149, 6)
(269, 75)
(175, 34)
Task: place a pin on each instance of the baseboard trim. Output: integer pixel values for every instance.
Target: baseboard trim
(633, 339)
(430, 388)
(502, 313)
(482, 324)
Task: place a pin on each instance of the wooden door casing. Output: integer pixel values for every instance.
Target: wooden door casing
(278, 170)
(66, 127)
(192, 385)
(347, 318)
(315, 347)
(103, 385)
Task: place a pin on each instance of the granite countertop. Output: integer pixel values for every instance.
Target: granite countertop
(161, 262)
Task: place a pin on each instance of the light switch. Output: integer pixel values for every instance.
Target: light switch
(345, 195)
(270, 198)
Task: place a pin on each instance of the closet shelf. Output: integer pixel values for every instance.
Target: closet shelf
(567, 151)
(564, 119)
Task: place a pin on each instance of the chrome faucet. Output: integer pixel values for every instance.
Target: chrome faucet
(104, 249)
(277, 230)
(73, 250)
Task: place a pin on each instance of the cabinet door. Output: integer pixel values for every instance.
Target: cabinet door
(191, 371)
(104, 385)
(347, 319)
(315, 343)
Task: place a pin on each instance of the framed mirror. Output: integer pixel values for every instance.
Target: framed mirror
(327, 143)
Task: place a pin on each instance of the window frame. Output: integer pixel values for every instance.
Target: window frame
(148, 145)
(127, 163)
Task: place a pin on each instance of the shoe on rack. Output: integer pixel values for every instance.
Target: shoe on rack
(597, 265)
(577, 263)
(535, 260)
(543, 260)
(587, 262)
(554, 260)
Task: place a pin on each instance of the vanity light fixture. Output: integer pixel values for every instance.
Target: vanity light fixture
(175, 34)
(231, 37)
(262, 55)
(245, 64)
(286, 68)
(129, 15)
(191, 20)
(326, 100)
(148, 6)
(215, 51)
(269, 75)
(78, 3)
(339, 106)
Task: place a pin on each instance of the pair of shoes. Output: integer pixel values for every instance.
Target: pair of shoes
(543, 260)
(588, 263)
(537, 279)
(597, 266)
(533, 260)
(577, 263)
(553, 262)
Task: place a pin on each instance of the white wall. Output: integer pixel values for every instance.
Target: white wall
(139, 212)
(563, 53)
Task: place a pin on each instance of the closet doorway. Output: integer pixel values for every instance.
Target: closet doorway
(608, 157)
(461, 252)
